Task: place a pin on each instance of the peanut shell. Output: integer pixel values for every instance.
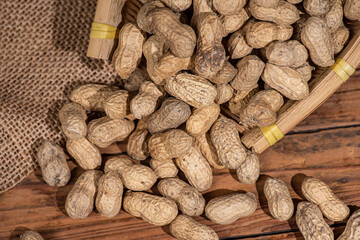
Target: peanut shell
(201, 120)
(137, 146)
(316, 8)
(339, 38)
(225, 93)
(228, 7)
(135, 80)
(178, 5)
(352, 9)
(116, 105)
(164, 168)
(31, 235)
(225, 75)
(238, 46)
(352, 229)
(249, 170)
(234, 22)
(84, 152)
(72, 117)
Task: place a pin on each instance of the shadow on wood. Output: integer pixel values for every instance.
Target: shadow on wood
(262, 199)
(296, 182)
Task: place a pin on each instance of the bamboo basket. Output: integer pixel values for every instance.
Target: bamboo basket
(322, 85)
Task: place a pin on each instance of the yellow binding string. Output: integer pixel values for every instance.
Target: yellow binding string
(272, 134)
(343, 69)
(103, 31)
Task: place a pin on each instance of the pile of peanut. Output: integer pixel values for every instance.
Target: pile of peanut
(170, 113)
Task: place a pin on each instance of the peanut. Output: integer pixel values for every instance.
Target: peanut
(226, 140)
(156, 210)
(109, 196)
(261, 34)
(135, 80)
(240, 99)
(210, 54)
(267, 3)
(249, 170)
(316, 8)
(105, 131)
(80, 200)
(168, 65)
(315, 35)
(137, 146)
(305, 71)
(286, 80)
(116, 105)
(145, 102)
(208, 150)
(31, 235)
(352, 231)
(172, 113)
(352, 9)
(311, 222)
(142, 20)
(229, 208)
(170, 144)
(178, 5)
(279, 200)
(164, 168)
(129, 51)
(228, 7)
(334, 18)
(250, 69)
(196, 169)
(188, 198)
(262, 108)
(194, 90)
(225, 93)
(135, 177)
(339, 38)
(225, 75)
(294, 1)
(92, 96)
(186, 228)
(84, 152)
(72, 117)
(288, 54)
(238, 46)
(234, 22)
(54, 168)
(317, 192)
(283, 14)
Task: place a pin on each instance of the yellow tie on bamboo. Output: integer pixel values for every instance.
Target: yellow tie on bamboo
(272, 134)
(103, 31)
(342, 69)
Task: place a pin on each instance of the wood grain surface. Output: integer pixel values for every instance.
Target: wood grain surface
(326, 145)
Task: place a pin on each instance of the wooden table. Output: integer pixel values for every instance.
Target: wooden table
(326, 145)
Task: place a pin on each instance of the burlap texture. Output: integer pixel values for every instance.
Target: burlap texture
(43, 47)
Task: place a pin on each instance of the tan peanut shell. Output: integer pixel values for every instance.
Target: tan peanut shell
(284, 13)
(105, 131)
(196, 169)
(286, 80)
(180, 38)
(317, 192)
(172, 113)
(80, 200)
(201, 120)
(92, 96)
(156, 210)
(316, 8)
(194, 90)
(168, 65)
(352, 9)
(288, 54)
(225, 75)
(250, 69)
(135, 80)
(352, 229)
(145, 102)
(137, 146)
(228, 7)
(84, 152)
(189, 199)
(129, 51)
(136, 177)
(31, 235)
(279, 200)
(305, 71)
(186, 228)
(339, 38)
(164, 168)
(72, 117)
(116, 105)
(334, 17)
(109, 194)
(170, 144)
(234, 22)
(315, 35)
(226, 140)
(240, 99)
(210, 54)
(261, 34)
(261, 109)
(249, 170)
(208, 150)
(225, 93)
(311, 223)
(142, 20)
(294, 1)
(267, 3)
(178, 5)
(229, 208)
(238, 46)
(54, 168)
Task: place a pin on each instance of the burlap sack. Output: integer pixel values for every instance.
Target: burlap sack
(43, 47)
